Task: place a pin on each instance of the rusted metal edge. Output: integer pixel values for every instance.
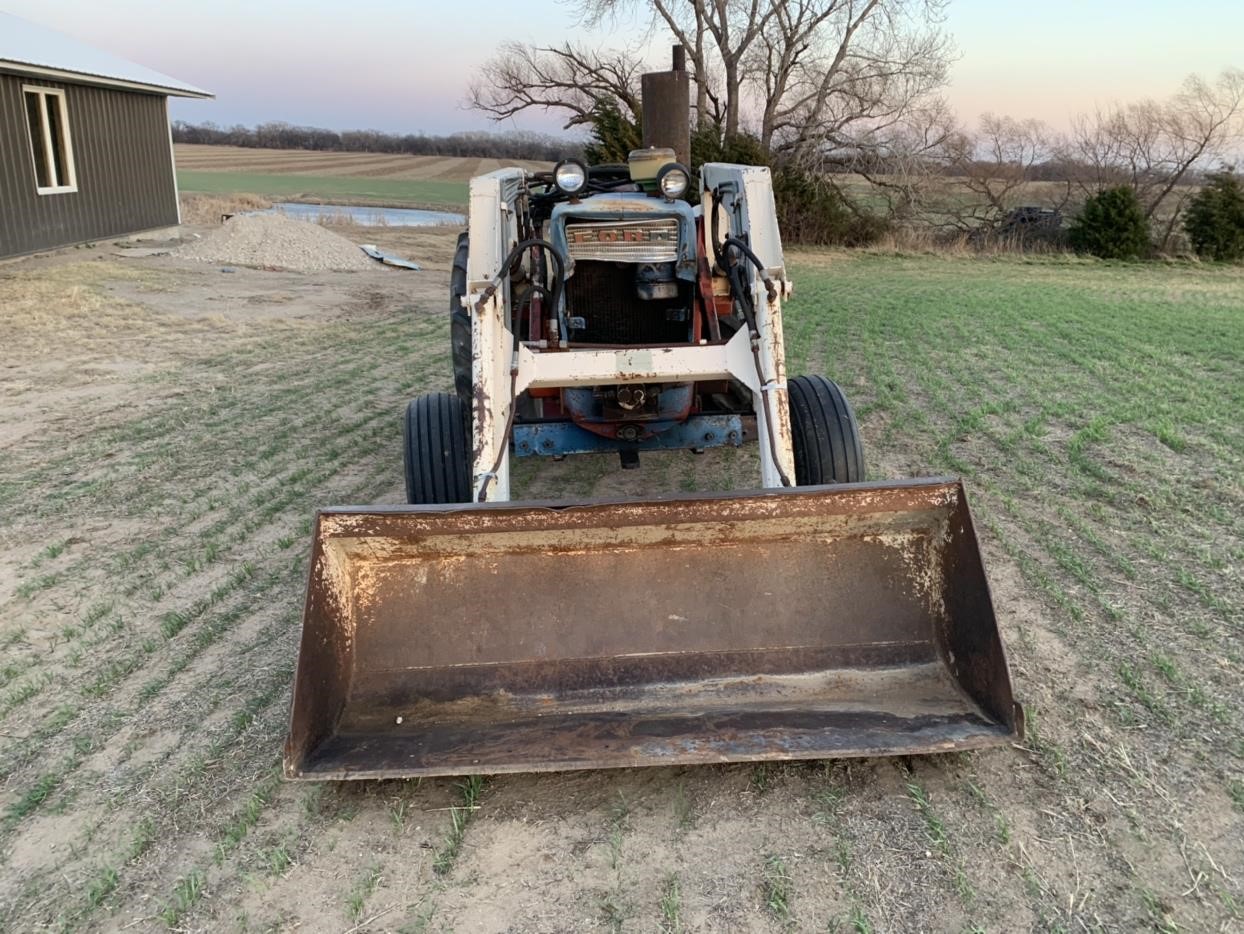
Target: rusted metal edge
(1018, 721)
(880, 501)
(578, 765)
(792, 493)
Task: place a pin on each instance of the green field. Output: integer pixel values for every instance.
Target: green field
(1095, 411)
(156, 558)
(339, 188)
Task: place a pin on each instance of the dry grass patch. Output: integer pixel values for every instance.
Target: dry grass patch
(207, 210)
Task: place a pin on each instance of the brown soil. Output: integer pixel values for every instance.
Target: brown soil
(297, 162)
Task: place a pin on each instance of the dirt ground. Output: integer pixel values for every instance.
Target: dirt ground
(168, 428)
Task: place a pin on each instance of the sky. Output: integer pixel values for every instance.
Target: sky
(406, 65)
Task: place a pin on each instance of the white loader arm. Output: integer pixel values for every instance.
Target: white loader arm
(493, 222)
(741, 197)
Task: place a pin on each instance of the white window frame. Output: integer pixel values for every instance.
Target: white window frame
(71, 171)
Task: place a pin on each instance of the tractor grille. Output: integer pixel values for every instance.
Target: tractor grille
(603, 294)
(651, 241)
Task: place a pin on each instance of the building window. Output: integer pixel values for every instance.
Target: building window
(48, 122)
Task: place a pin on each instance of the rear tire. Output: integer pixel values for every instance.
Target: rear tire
(460, 321)
(436, 451)
(824, 433)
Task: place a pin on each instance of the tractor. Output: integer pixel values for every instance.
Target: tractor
(619, 310)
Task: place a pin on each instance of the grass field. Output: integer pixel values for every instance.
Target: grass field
(353, 164)
(342, 189)
(169, 432)
(416, 181)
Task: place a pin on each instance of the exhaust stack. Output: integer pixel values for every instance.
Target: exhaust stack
(667, 108)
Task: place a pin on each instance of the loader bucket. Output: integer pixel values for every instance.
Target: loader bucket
(796, 624)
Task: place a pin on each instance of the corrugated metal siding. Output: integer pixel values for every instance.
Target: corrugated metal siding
(124, 169)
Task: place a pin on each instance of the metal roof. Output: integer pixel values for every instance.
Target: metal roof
(37, 50)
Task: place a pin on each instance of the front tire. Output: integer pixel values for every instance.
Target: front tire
(824, 433)
(436, 450)
(460, 321)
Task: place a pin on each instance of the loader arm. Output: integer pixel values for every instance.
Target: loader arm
(503, 367)
(495, 202)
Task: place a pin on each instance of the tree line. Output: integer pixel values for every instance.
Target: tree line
(827, 92)
(843, 99)
(471, 144)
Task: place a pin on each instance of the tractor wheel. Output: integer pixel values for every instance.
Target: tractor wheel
(460, 321)
(436, 450)
(825, 436)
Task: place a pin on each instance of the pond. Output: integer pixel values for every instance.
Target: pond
(368, 215)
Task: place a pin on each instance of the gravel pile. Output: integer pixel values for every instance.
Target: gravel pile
(275, 241)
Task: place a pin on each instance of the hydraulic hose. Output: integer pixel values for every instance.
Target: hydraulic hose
(559, 272)
(559, 282)
(733, 247)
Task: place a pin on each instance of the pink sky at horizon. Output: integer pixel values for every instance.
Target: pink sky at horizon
(320, 64)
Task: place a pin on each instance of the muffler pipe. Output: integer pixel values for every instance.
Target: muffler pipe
(667, 108)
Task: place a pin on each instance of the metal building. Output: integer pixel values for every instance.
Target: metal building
(85, 148)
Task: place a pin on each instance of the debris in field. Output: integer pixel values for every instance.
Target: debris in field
(389, 259)
(273, 241)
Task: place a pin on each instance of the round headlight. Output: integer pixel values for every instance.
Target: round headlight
(570, 176)
(673, 180)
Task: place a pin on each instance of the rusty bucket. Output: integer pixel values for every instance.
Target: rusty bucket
(512, 637)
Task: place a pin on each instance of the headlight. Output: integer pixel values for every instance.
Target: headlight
(673, 180)
(570, 176)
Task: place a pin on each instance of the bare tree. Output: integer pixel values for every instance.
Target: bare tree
(689, 25)
(927, 171)
(805, 74)
(838, 73)
(568, 78)
(903, 164)
(718, 36)
(1155, 146)
(993, 169)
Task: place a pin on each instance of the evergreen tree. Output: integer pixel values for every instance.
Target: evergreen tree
(1112, 225)
(614, 134)
(1215, 221)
